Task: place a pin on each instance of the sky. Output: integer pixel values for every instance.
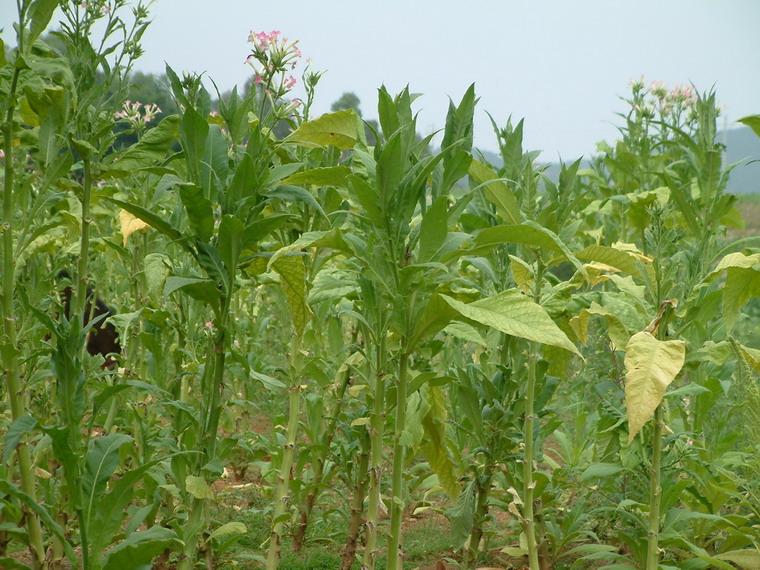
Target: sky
(562, 65)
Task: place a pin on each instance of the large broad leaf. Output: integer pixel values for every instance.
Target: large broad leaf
(746, 558)
(515, 314)
(151, 149)
(292, 271)
(140, 548)
(201, 289)
(651, 365)
(339, 129)
(100, 463)
(624, 260)
(324, 176)
(156, 267)
(496, 192)
(529, 234)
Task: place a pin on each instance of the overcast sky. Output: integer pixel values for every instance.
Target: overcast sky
(560, 64)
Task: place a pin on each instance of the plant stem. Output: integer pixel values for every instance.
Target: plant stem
(377, 427)
(655, 492)
(529, 435)
(357, 506)
(281, 492)
(10, 350)
(481, 511)
(529, 485)
(399, 452)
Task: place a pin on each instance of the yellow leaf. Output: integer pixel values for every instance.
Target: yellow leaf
(129, 225)
(651, 365)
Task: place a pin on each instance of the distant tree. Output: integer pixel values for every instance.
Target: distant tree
(349, 100)
(152, 88)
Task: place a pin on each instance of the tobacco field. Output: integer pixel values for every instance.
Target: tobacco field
(238, 334)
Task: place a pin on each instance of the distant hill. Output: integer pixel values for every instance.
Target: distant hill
(742, 145)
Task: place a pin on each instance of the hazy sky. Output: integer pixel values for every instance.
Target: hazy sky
(560, 64)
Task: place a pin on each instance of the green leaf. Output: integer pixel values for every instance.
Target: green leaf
(233, 528)
(200, 289)
(230, 242)
(753, 122)
(292, 271)
(16, 431)
(101, 461)
(199, 211)
(600, 470)
(527, 233)
(513, 313)
(746, 558)
(433, 229)
(324, 176)
(40, 14)
(651, 365)
(140, 548)
(157, 268)
(151, 149)
(339, 129)
(261, 228)
(198, 487)
(462, 514)
(496, 191)
(214, 166)
(111, 508)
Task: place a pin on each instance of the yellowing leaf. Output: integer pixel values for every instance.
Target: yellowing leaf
(651, 365)
(522, 273)
(130, 224)
(339, 129)
(514, 314)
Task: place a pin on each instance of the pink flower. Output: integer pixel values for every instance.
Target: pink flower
(289, 83)
(257, 79)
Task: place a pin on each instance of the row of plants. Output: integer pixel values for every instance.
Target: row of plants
(362, 325)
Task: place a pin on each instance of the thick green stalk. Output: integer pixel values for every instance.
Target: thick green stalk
(399, 453)
(15, 392)
(377, 427)
(655, 493)
(281, 492)
(529, 435)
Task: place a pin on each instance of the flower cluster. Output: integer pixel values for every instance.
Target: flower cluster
(137, 114)
(656, 97)
(273, 58)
